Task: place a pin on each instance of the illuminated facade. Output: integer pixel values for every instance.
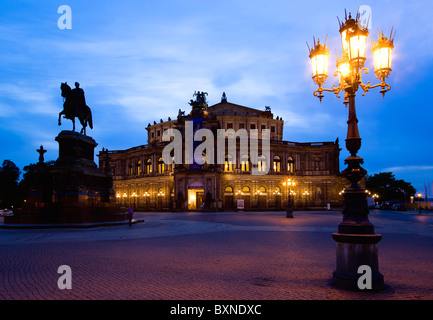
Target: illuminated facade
(144, 181)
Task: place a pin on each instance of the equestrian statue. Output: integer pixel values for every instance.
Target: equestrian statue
(74, 106)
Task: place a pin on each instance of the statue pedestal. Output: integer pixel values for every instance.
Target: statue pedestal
(73, 192)
(353, 251)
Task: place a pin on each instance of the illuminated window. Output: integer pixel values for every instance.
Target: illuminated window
(245, 163)
(262, 189)
(228, 189)
(170, 167)
(246, 189)
(160, 165)
(290, 164)
(261, 164)
(148, 168)
(277, 164)
(228, 165)
(138, 168)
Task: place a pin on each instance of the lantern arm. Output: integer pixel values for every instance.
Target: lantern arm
(336, 90)
(385, 87)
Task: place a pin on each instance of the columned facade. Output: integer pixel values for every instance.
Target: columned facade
(142, 180)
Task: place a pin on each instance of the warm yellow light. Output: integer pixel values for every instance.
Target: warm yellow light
(382, 53)
(344, 69)
(357, 46)
(319, 62)
(382, 58)
(343, 66)
(289, 183)
(344, 43)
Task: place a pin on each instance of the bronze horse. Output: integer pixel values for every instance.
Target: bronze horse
(75, 106)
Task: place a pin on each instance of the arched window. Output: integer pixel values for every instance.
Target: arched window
(277, 164)
(261, 164)
(290, 164)
(170, 167)
(228, 165)
(138, 167)
(148, 167)
(160, 165)
(246, 189)
(262, 189)
(245, 163)
(277, 190)
(228, 189)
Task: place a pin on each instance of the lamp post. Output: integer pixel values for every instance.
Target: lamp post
(375, 197)
(134, 197)
(419, 202)
(124, 197)
(306, 194)
(146, 196)
(289, 183)
(356, 239)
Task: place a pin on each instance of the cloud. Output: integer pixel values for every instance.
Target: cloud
(408, 168)
(23, 98)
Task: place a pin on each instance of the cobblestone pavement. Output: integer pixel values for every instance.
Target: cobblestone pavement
(215, 256)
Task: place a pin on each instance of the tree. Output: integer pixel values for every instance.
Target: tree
(34, 175)
(388, 188)
(9, 175)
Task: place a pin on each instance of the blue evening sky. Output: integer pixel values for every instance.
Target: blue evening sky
(140, 61)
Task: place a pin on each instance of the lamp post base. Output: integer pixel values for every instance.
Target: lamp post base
(353, 251)
(289, 212)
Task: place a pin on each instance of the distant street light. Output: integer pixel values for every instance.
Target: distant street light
(356, 239)
(306, 194)
(289, 183)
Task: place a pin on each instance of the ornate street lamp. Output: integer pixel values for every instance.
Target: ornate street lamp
(306, 194)
(134, 197)
(146, 196)
(289, 183)
(356, 239)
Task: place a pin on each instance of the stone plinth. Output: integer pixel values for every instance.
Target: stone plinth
(353, 251)
(73, 192)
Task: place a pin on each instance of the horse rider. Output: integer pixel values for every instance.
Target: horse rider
(78, 95)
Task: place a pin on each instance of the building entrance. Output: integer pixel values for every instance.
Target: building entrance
(195, 199)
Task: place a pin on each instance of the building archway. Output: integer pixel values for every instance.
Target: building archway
(195, 196)
(229, 201)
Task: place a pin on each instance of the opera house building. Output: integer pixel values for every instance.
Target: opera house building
(301, 174)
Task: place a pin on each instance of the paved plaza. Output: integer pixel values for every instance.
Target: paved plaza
(213, 256)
